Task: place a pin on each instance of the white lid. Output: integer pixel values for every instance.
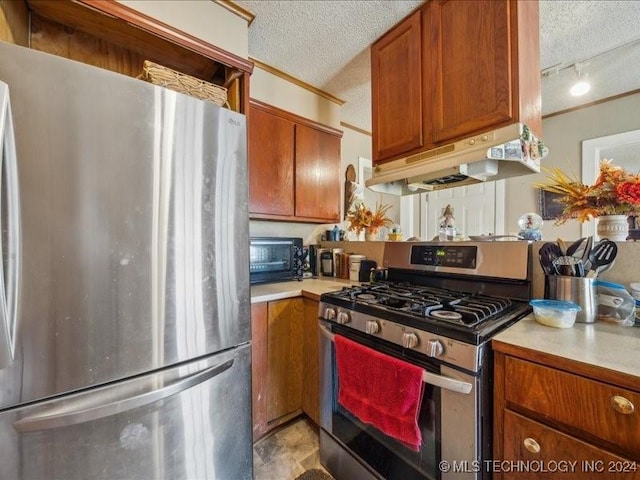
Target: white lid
(356, 258)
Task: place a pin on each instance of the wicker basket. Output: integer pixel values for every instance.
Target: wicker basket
(180, 82)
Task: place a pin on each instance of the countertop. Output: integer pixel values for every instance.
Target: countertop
(309, 287)
(599, 344)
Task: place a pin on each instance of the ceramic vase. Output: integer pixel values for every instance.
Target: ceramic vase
(370, 235)
(613, 227)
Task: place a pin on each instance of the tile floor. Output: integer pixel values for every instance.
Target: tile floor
(287, 453)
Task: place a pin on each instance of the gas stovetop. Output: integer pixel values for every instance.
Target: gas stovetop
(429, 303)
(469, 317)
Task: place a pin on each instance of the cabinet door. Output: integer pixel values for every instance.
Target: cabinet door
(396, 90)
(317, 174)
(284, 357)
(311, 383)
(532, 443)
(471, 63)
(259, 368)
(271, 163)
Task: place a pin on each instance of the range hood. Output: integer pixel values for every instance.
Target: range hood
(506, 152)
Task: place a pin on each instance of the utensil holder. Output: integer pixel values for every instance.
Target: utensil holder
(579, 290)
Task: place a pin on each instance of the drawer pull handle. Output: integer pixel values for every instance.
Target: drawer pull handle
(622, 405)
(531, 445)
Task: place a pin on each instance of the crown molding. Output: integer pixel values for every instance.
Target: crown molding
(355, 129)
(240, 11)
(296, 81)
(591, 104)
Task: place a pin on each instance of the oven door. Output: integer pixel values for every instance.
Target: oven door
(449, 422)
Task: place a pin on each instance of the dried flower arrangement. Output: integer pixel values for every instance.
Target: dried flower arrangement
(361, 217)
(615, 192)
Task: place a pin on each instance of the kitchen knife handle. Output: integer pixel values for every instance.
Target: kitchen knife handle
(10, 245)
(111, 400)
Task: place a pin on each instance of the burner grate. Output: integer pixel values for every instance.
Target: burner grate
(429, 304)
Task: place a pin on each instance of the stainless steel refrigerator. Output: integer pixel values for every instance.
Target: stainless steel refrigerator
(124, 288)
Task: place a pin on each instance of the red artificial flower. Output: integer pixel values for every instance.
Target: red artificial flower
(629, 192)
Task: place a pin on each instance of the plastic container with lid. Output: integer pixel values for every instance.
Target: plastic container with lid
(555, 313)
(354, 267)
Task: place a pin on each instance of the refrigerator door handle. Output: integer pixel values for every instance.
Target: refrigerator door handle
(111, 400)
(10, 246)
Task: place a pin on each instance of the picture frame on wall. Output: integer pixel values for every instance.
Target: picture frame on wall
(548, 207)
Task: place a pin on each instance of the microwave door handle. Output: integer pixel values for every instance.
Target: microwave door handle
(446, 382)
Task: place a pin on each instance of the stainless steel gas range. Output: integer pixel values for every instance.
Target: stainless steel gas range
(438, 309)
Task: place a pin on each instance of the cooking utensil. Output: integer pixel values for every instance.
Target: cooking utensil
(577, 248)
(563, 246)
(587, 250)
(603, 254)
(547, 254)
(569, 266)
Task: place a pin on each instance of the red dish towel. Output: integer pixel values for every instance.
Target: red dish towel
(380, 390)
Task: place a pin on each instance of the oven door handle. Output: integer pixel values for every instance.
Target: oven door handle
(326, 332)
(427, 377)
(447, 382)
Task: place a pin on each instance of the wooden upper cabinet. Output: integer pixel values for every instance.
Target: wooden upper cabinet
(271, 163)
(116, 37)
(294, 167)
(470, 66)
(317, 174)
(475, 67)
(396, 85)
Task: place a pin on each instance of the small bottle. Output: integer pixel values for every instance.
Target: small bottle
(336, 233)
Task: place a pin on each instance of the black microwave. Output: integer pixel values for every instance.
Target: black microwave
(275, 259)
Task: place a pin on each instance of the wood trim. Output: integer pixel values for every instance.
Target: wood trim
(240, 11)
(14, 22)
(498, 410)
(294, 118)
(296, 81)
(591, 104)
(593, 372)
(355, 129)
(162, 30)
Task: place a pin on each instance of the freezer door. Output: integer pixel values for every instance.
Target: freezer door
(190, 422)
(134, 228)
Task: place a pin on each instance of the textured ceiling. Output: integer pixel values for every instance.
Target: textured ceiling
(326, 43)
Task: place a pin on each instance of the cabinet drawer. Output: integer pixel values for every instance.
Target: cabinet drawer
(559, 456)
(576, 403)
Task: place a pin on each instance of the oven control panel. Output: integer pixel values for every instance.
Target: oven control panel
(436, 346)
(457, 256)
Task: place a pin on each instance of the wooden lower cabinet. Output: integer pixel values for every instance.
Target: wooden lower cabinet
(564, 456)
(259, 368)
(284, 358)
(311, 359)
(563, 416)
(284, 362)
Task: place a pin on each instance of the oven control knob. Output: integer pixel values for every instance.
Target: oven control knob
(343, 317)
(372, 327)
(409, 340)
(330, 313)
(434, 348)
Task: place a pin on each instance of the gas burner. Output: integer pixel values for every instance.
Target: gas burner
(392, 302)
(367, 297)
(446, 315)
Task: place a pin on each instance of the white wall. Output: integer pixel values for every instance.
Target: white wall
(563, 134)
(205, 20)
